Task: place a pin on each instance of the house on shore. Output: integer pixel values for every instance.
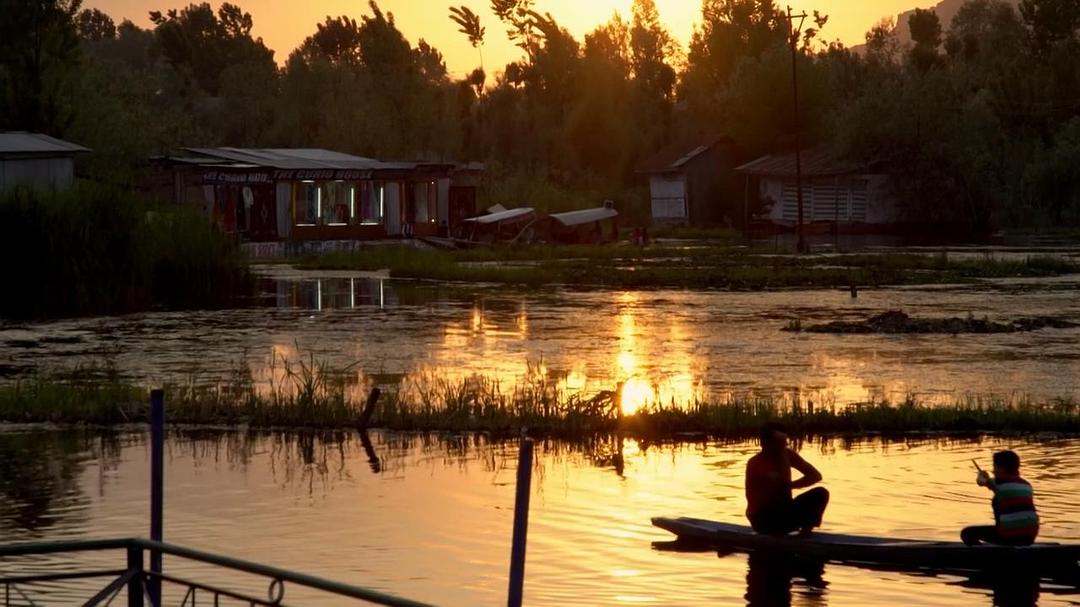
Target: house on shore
(36, 160)
(837, 195)
(290, 196)
(694, 183)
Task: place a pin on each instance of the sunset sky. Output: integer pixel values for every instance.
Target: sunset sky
(283, 25)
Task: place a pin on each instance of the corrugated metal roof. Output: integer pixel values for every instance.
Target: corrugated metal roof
(675, 156)
(576, 218)
(21, 142)
(300, 158)
(818, 161)
(502, 216)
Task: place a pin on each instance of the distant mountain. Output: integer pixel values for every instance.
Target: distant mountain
(946, 10)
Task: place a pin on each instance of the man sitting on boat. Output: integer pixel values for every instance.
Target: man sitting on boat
(1016, 522)
(770, 506)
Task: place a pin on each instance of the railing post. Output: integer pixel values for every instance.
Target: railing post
(135, 585)
(521, 523)
(157, 487)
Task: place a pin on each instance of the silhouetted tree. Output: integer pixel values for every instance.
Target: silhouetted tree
(94, 25)
(39, 53)
(926, 38)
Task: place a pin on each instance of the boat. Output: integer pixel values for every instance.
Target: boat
(498, 225)
(868, 550)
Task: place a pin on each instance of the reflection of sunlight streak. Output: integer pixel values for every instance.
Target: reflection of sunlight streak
(477, 320)
(575, 381)
(627, 364)
(522, 321)
(636, 394)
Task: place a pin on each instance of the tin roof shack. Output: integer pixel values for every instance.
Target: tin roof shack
(36, 160)
(304, 195)
(587, 226)
(837, 195)
(498, 225)
(694, 183)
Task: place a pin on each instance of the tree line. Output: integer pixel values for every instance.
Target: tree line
(977, 120)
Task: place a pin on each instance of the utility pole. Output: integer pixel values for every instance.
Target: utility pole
(795, 32)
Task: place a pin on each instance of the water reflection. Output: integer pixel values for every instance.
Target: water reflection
(770, 580)
(669, 347)
(428, 516)
(40, 473)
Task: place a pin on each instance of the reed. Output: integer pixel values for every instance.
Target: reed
(98, 250)
(312, 396)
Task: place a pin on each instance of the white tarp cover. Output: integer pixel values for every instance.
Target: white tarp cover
(576, 218)
(502, 216)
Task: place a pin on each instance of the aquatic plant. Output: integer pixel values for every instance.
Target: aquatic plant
(315, 396)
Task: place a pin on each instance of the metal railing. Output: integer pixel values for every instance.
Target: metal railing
(134, 581)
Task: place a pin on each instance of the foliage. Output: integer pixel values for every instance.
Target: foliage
(97, 250)
(975, 120)
(39, 48)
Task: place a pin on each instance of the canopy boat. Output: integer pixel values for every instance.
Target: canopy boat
(859, 549)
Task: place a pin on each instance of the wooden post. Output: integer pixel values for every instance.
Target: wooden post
(157, 487)
(521, 523)
(369, 408)
(135, 586)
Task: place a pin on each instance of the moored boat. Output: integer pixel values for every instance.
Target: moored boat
(859, 549)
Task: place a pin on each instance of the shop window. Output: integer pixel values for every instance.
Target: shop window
(425, 198)
(308, 203)
(335, 203)
(372, 203)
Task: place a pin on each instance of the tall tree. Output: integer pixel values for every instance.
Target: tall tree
(39, 54)
(926, 36)
(94, 25)
(200, 44)
(335, 40)
(469, 24)
(1050, 22)
(652, 50)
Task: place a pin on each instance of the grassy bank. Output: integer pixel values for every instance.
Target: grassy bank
(96, 250)
(481, 405)
(709, 266)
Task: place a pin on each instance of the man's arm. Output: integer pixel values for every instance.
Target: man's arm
(810, 474)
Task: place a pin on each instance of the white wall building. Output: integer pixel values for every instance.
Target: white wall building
(833, 192)
(36, 160)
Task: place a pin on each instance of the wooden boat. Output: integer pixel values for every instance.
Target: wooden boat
(858, 549)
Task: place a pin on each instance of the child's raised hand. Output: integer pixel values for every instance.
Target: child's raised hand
(983, 478)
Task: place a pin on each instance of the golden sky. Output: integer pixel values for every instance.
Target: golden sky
(284, 24)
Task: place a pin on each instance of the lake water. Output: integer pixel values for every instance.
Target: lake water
(430, 519)
(667, 345)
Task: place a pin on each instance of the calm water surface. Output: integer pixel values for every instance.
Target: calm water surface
(667, 345)
(430, 518)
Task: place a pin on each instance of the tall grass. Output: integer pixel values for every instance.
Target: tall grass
(97, 250)
(312, 396)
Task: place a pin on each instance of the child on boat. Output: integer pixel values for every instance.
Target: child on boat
(1016, 522)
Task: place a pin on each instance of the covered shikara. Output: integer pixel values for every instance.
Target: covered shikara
(498, 225)
(587, 226)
